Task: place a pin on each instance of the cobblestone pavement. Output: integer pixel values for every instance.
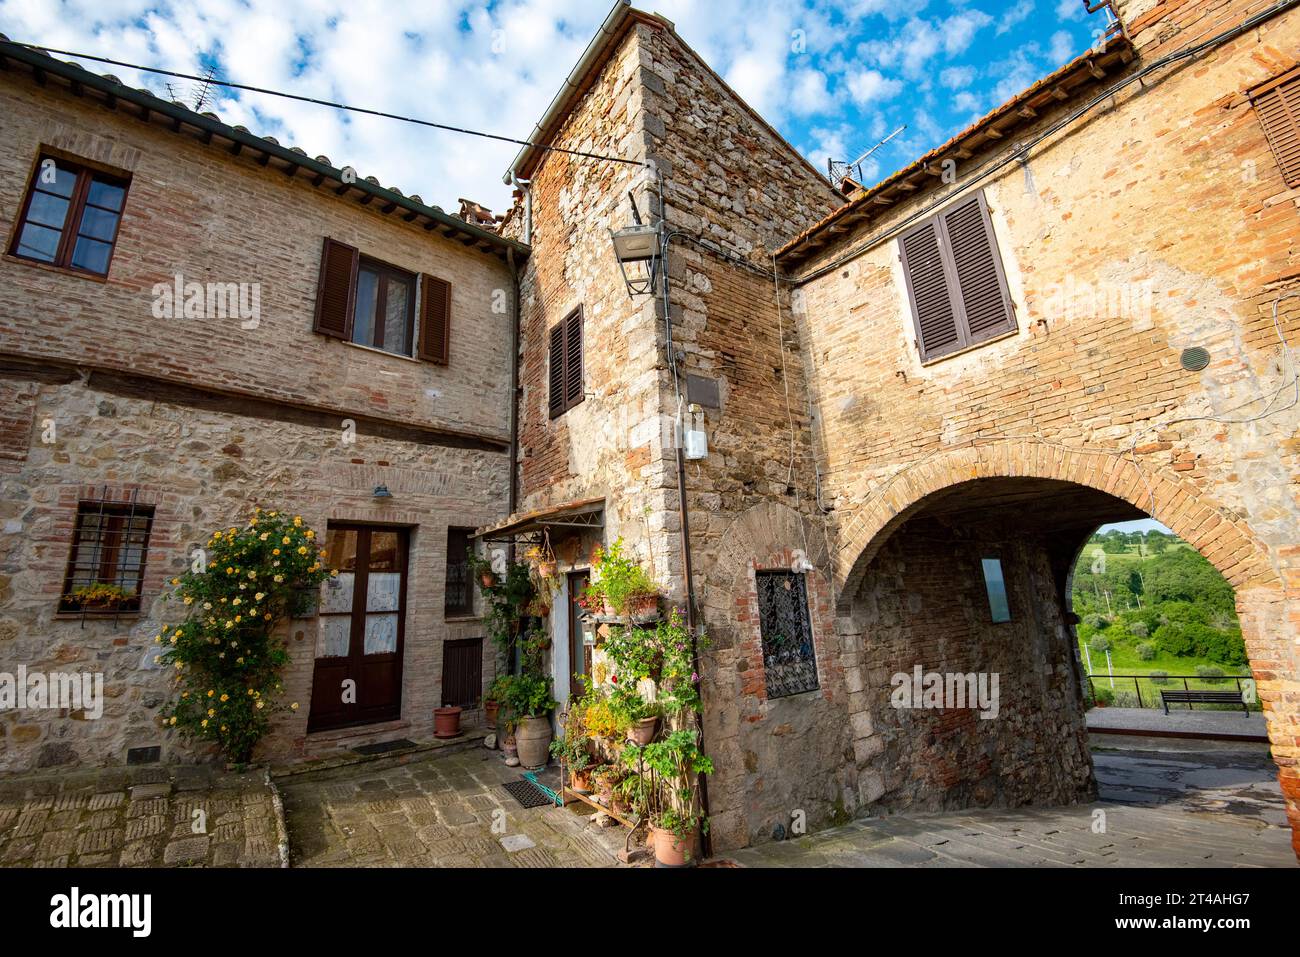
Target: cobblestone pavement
(139, 817)
(434, 810)
(1211, 807)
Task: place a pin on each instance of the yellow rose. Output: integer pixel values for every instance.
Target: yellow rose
(203, 723)
(225, 697)
(285, 540)
(294, 706)
(173, 720)
(310, 533)
(297, 520)
(302, 549)
(259, 705)
(211, 692)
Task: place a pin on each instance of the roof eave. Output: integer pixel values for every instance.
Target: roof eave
(181, 116)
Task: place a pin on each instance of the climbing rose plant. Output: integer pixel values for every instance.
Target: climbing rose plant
(226, 653)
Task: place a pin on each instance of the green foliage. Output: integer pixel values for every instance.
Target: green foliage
(677, 761)
(1159, 677)
(226, 654)
(1100, 644)
(662, 654)
(1155, 597)
(1103, 695)
(506, 600)
(572, 748)
(619, 578)
(1209, 671)
(527, 695)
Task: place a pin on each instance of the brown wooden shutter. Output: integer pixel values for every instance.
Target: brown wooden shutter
(573, 391)
(1278, 106)
(932, 301)
(435, 319)
(985, 302)
(557, 370)
(336, 292)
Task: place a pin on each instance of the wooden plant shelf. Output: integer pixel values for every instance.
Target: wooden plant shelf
(568, 792)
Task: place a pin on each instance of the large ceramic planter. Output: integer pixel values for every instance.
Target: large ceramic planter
(670, 851)
(533, 739)
(446, 722)
(643, 732)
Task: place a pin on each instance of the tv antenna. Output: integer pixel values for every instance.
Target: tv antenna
(200, 91)
(838, 171)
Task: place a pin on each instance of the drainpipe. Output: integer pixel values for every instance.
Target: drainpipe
(512, 495)
(684, 519)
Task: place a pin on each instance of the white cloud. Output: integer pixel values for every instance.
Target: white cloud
(1018, 13)
(1062, 48)
(809, 94)
(871, 86)
(1070, 10)
(957, 76)
(959, 30)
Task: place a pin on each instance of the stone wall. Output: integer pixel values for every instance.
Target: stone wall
(203, 470)
(1157, 223)
(203, 419)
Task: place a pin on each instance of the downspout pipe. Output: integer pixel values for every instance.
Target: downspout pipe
(512, 495)
(684, 513)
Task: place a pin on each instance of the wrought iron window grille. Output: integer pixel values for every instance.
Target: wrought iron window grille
(789, 659)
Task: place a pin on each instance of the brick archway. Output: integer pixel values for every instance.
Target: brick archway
(1267, 614)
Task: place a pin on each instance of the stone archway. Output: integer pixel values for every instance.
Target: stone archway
(1269, 615)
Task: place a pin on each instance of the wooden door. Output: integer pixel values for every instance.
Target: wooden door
(358, 672)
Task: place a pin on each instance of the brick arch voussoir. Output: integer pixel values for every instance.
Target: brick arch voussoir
(1225, 541)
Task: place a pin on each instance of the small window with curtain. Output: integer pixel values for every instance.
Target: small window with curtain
(373, 304)
(110, 542)
(459, 596)
(789, 659)
(70, 216)
(956, 286)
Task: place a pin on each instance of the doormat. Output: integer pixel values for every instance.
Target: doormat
(383, 747)
(527, 793)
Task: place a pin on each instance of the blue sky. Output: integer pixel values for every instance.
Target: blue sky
(834, 78)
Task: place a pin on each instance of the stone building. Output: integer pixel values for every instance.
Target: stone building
(132, 406)
(923, 496)
(919, 398)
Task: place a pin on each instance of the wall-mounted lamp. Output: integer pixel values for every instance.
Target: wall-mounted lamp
(636, 248)
(381, 491)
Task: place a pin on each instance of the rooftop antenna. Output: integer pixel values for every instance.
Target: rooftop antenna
(205, 87)
(838, 170)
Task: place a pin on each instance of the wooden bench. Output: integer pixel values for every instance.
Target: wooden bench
(1203, 697)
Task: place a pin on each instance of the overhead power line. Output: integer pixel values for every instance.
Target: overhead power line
(209, 80)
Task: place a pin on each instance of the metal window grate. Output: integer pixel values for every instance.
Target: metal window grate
(789, 662)
(462, 672)
(110, 545)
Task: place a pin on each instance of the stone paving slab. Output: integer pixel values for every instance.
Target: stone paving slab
(1184, 807)
(1179, 721)
(175, 816)
(1161, 809)
(434, 810)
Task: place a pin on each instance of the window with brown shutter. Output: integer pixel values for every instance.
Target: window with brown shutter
(955, 282)
(435, 319)
(336, 292)
(1277, 103)
(373, 304)
(70, 216)
(565, 378)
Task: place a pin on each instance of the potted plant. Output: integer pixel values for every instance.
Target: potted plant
(482, 568)
(510, 748)
(446, 722)
(624, 585)
(640, 717)
(492, 703)
(529, 699)
(572, 749)
(99, 596)
(675, 820)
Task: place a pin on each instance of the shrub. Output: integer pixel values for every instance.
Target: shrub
(1138, 629)
(1209, 671)
(1159, 677)
(1101, 695)
(1125, 699)
(1096, 621)
(1172, 639)
(1100, 644)
(1146, 651)
(226, 654)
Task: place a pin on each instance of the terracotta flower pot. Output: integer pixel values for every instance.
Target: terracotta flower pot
(643, 606)
(671, 851)
(547, 569)
(643, 732)
(580, 781)
(487, 579)
(446, 722)
(490, 709)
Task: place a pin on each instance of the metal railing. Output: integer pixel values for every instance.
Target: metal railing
(1244, 684)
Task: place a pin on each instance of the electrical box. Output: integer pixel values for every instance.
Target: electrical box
(695, 441)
